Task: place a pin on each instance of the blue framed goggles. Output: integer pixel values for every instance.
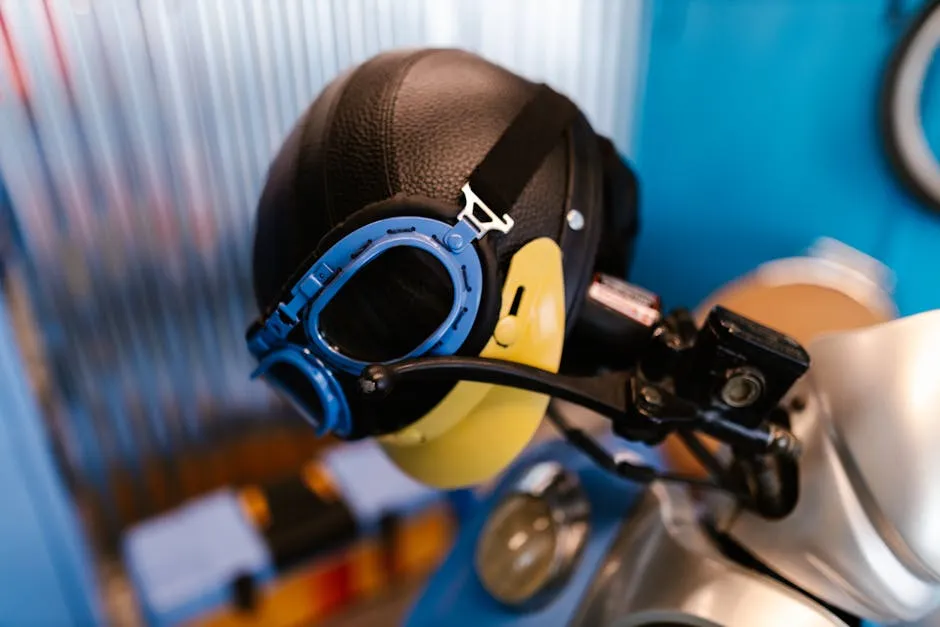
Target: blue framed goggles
(294, 353)
(282, 361)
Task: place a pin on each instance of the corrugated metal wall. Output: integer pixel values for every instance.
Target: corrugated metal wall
(134, 138)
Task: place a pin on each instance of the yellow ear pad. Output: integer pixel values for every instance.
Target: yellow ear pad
(478, 429)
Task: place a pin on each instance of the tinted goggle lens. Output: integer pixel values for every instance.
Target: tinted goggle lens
(291, 384)
(389, 307)
(309, 387)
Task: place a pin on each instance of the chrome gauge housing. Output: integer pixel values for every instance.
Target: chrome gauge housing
(531, 542)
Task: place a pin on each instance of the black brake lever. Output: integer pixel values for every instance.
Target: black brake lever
(618, 395)
(640, 411)
(605, 394)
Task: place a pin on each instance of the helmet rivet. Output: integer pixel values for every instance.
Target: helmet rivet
(575, 220)
(453, 241)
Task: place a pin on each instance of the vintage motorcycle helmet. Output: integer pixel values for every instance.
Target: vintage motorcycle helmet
(430, 202)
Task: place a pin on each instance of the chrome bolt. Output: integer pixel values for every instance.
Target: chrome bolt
(575, 220)
(784, 443)
(742, 388)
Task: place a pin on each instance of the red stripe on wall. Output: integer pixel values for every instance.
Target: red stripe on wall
(57, 46)
(19, 81)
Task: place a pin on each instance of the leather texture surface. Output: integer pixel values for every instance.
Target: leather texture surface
(414, 122)
(417, 123)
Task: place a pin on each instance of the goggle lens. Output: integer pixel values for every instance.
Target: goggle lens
(294, 387)
(389, 307)
(308, 386)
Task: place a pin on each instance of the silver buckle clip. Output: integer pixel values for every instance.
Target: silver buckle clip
(493, 223)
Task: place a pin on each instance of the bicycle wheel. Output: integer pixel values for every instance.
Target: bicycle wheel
(901, 120)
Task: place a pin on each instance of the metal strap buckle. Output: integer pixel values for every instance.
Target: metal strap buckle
(482, 227)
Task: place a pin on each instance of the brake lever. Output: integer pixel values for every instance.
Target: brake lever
(605, 394)
(638, 410)
(663, 408)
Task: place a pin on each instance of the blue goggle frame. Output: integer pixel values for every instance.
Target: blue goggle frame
(450, 245)
(336, 415)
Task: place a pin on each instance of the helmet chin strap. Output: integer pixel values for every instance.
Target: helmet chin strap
(518, 154)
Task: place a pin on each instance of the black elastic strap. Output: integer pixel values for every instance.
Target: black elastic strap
(517, 155)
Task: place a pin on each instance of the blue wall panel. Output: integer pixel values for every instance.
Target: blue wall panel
(46, 575)
(758, 134)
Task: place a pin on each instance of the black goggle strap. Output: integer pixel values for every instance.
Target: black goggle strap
(497, 182)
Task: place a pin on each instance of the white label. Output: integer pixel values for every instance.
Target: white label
(626, 299)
